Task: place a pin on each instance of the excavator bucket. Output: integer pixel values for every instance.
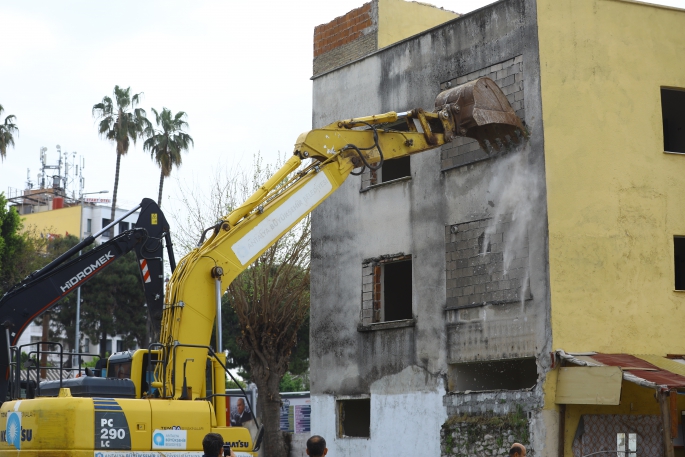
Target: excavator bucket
(479, 110)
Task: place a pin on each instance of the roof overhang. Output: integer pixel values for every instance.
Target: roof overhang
(646, 370)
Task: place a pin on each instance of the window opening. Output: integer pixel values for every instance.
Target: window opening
(105, 223)
(354, 418)
(673, 115)
(505, 374)
(679, 261)
(89, 226)
(482, 242)
(397, 291)
(123, 226)
(387, 289)
(395, 169)
(626, 448)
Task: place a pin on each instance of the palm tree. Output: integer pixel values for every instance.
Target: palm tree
(121, 125)
(167, 142)
(7, 131)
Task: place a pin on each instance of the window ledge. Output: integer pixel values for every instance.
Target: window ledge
(675, 153)
(387, 325)
(375, 186)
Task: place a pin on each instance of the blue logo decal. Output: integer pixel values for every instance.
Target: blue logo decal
(159, 439)
(13, 431)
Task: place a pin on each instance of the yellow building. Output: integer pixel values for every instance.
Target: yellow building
(54, 223)
(612, 85)
(48, 220)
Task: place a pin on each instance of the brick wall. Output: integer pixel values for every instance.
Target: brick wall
(474, 253)
(509, 77)
(371, 293)
(369, 178)
(346, 38)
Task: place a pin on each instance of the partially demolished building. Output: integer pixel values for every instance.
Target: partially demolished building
(457, 286)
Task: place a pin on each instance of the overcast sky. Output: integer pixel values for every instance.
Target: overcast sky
(239, 69)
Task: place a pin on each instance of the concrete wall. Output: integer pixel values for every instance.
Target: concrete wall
(404, 369)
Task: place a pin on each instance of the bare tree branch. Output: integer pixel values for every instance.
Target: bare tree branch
(270, 298)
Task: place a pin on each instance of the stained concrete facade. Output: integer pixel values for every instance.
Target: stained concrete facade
(474, 225)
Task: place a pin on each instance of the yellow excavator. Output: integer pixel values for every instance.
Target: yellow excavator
(172, 393)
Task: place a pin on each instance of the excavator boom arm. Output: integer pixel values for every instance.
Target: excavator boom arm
(287, 197)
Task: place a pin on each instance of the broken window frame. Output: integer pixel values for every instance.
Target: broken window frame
(340, 415)
(379, 305)
(372, 313)
(402, 161)
(371, 179)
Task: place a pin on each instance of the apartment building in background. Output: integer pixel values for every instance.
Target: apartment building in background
(49, 212)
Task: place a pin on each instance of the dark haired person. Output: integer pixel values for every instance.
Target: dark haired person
(213, 445)
(517, 450)
(316, 446)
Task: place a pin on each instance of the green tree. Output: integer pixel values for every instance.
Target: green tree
(113, 302)
(239, 358)
(7, 131)
(167, 142)
(120, 124)
(11, 244)
(270, 299)
(19, 256)
(293, 383)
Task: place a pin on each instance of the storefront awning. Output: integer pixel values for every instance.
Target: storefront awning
(646, 370)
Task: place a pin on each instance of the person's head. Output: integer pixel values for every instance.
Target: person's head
(517, 450)
(213, 445)
(316, 446)
(241, 405)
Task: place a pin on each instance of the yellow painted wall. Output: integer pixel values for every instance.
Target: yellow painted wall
(635, 400)
(615, 200)
(399, 19)
(58, 221)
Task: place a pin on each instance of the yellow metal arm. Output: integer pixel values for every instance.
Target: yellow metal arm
(287, 197)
